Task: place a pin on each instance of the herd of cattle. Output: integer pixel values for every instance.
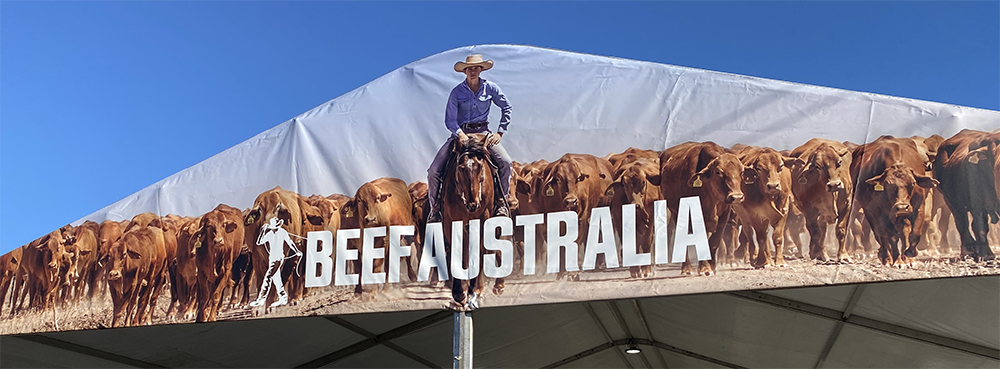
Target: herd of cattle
(899, 189)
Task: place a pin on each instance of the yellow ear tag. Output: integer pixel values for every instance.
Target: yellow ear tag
(803, 180)
(610, 191)
(349, 213)
(197, 244)
(249, 220)
(697, 182)
(549, 191)
(879, 187)
(974, 159)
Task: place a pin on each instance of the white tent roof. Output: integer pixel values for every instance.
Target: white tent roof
(563, 102)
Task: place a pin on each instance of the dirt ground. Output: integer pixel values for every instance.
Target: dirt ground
(520, 290)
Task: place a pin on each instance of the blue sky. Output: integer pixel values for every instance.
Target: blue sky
(101, 99)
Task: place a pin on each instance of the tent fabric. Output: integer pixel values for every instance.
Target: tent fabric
(694, 331)
(563, 102)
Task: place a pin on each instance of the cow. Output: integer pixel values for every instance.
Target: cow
(9, 266)
(822, 191)
(892, 184)
(767, 195)
(383, 202)
(577, 183)
(41, 262)
(965, 168)
(293, 211)
(217, 244)
(710, 172)
(109, 232)
(185, 280)
(529, 177)
(137, 261)
(84, 246)
(630, 186)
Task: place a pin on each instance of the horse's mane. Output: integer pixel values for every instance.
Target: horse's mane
(471, 146)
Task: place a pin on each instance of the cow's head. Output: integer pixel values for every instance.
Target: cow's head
(560, 187)
(212, 231)
(721, 177)
(765, 172)
(897, 182)
(632, 183)
(823, 166)
(368, 199)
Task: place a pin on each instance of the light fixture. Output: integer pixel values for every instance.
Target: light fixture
(633, 348)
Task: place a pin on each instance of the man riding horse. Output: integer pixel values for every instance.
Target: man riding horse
(468, 112)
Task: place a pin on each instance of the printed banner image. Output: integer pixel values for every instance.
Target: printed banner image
(666, 215)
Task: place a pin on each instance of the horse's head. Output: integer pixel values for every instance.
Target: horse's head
(471, 174)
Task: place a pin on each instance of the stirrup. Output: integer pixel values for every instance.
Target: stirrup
(434, 217)
(502, 211)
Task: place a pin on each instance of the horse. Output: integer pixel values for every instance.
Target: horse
(468, 189)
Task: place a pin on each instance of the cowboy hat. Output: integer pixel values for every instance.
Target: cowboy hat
(473, 60)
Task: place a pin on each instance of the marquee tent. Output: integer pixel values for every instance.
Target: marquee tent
(938, 311)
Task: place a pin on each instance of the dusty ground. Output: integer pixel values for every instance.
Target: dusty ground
(593, 285)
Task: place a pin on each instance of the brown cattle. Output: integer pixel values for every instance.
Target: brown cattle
(892, 184)
(577, 183)
(529, 177)
(965, 168)
(42, 259)
(706, 170)
(630, 186)
(294, 211)
(9, 269)
(84, 246)
(185, 280)
(142, 220)
(218, 242)
(822, 190)
(109, 232)
(137, 262)
(384, 202)
(767, 195)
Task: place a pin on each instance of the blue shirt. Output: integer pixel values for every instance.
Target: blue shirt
(465, 106)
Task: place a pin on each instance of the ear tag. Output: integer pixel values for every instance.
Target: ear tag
(974, 159)
(879, 187)
(549, 191)
(803, 180)
(197, 244)
(610, 191)
(250, 220)
(697, 182)
(349, 213)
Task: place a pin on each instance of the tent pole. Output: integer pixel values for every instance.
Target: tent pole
(462, 347)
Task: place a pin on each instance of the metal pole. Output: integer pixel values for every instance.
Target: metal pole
(462, 347)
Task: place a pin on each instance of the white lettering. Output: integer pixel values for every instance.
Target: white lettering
(396, 250)
(368, 255)
(689, 211)
(601, 239)
(504, 247)
(529, 222)
(566, 241)
(316, 256)
(433, 254)
(630, 257)
(341, 277)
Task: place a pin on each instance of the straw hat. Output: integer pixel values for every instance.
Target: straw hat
(473, 60)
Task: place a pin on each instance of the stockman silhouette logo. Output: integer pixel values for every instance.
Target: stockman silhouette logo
(275, 238)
